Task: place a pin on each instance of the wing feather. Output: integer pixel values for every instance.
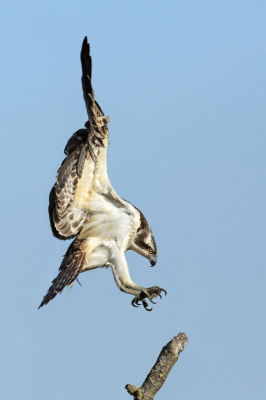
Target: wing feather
(66, 169)
(97, 124)
(81, 160)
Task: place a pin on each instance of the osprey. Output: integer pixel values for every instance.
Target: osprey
(83, 205)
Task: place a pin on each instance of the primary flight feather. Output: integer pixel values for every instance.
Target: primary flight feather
(83, 205)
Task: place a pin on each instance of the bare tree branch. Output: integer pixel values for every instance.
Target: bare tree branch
(159, 372)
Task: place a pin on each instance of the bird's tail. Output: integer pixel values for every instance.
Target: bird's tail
(69, 270)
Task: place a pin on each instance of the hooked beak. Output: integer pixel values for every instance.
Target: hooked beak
(153, 261)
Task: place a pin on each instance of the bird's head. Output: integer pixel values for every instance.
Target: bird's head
(144, 242)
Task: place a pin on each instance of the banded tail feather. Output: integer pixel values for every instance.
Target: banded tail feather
(70, 268)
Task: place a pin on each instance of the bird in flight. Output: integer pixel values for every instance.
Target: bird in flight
(83, 205)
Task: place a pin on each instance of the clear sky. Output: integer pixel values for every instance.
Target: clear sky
(184, 85)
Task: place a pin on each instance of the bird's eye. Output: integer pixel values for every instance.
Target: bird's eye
(150, 251)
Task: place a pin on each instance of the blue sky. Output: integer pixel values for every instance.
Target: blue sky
(184, 85)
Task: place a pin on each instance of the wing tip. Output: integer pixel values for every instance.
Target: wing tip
(85, 46)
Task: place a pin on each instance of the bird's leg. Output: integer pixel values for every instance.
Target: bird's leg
(123, 288)
(125, 284)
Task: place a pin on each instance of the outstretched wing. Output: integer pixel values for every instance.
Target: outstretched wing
(84, 170)
(97, 120)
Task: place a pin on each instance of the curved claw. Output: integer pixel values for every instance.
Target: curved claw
(148, 309)
(133, 302)
(145, 305)
(153, 302)
(164, 291)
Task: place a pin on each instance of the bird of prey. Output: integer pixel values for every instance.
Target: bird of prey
(83, 205)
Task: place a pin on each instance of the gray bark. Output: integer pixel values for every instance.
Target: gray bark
(159, 372)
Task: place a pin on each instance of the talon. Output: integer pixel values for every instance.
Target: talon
(150, 294)
(148, 309)
(133, 302)
(145, 305)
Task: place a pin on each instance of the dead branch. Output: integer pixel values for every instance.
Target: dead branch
(159, 372)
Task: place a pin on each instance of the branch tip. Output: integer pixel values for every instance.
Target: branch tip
(136, 392)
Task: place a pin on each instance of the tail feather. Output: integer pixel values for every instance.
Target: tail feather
(69, 270)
